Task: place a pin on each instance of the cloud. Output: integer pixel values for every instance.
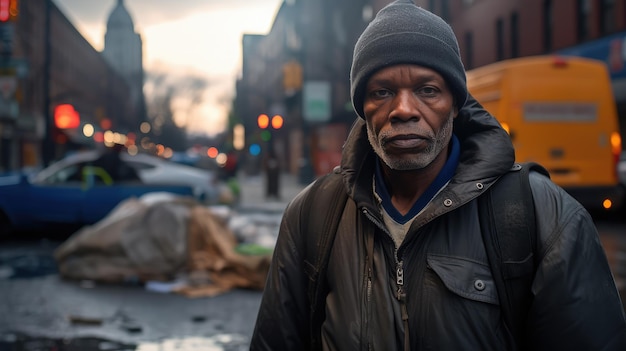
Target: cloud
(150, 12)
(199, 35)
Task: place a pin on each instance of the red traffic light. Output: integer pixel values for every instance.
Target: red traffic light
(277, 122)
(263, 121)
(65, 117)
(8, 10)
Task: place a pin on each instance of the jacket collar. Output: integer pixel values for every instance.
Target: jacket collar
(486, 152)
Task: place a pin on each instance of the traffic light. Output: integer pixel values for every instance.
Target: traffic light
(66, 117)
(9, 9)
(263, 121)
(277, 122)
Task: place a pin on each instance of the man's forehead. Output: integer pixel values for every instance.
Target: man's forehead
(405, 70)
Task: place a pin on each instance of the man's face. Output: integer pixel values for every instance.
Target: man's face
(409, 111)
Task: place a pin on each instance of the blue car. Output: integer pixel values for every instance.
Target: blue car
(67, 195)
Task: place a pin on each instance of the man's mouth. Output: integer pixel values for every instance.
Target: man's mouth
(405, 142)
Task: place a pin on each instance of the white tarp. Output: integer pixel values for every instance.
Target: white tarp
(160, 237)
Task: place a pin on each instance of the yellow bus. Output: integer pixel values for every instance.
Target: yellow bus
(561, 113)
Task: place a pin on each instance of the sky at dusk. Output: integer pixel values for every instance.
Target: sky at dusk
(202, 36)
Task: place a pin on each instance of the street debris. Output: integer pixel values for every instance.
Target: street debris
(169, 245)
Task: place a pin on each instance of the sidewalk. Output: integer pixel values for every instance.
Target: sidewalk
(253, 192)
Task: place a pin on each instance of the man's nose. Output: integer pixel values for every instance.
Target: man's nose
(405, 106)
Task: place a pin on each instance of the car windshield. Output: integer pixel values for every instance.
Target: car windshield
(62, 175)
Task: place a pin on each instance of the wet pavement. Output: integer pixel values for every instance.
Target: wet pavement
(41, 311)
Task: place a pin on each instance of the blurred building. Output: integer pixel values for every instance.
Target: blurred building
(123, 50)
(45, 62)
(302, 66)
(300, 70)
(495, 30)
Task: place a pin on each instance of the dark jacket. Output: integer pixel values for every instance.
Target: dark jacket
(576, 305)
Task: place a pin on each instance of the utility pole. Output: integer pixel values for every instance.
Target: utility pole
(47, 150)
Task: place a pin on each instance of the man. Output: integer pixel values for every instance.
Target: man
(111, 161)
(403, 266)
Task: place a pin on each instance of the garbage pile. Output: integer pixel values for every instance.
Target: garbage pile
(163, 240)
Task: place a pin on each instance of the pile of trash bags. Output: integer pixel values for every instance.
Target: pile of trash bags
(161, 237)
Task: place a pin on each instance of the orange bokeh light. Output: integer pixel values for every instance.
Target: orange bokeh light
(263, 121)
(212, 152)
(66, 117)
(277, 122)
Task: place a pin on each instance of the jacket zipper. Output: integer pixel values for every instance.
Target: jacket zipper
(402, 299)
(368, 287)
(369, 299)
(401, 294)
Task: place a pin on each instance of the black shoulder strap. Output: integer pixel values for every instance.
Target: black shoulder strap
(507, 216)
(322, 211)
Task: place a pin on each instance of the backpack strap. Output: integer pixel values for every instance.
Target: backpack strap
(507, 216)
(321, 213)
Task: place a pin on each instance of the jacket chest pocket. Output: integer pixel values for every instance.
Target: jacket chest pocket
(464, 277)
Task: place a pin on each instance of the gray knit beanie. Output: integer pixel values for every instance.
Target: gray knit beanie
(401, 33)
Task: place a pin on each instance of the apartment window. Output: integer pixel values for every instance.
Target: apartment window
(514, 35)
(547, 25)
(607, 16)
(499, 39)
(583, 9)
(469, 50)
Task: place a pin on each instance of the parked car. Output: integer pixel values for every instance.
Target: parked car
(73, 192)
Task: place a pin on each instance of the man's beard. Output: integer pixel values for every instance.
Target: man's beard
(436, 143)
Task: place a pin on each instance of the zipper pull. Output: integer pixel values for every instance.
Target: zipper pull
(403, 309)
(401, 294)
(400, 281)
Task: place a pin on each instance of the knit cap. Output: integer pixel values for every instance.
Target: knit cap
(404, 33)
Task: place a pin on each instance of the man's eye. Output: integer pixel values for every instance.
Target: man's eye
(380, 93)
(428, 91)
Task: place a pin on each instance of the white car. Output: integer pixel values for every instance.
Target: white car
(154, 170)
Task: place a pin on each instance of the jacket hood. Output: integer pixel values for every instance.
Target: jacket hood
(486, 153)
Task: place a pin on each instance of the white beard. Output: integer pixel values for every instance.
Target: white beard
(436, 144)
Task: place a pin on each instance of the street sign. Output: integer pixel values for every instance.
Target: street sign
(316, 101)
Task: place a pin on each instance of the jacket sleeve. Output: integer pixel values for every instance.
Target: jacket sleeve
(283, 317)
(576, 302)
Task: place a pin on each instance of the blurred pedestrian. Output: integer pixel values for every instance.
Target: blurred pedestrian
(409, 268)
(272, 175)
(111, 162)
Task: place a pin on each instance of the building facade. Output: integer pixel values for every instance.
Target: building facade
(47, 63)
(494, 30)
(301, 69)
(320, 35)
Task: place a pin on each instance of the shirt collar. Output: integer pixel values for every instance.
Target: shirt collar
(444, 176)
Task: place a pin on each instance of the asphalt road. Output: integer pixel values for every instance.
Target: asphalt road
(41, 311)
